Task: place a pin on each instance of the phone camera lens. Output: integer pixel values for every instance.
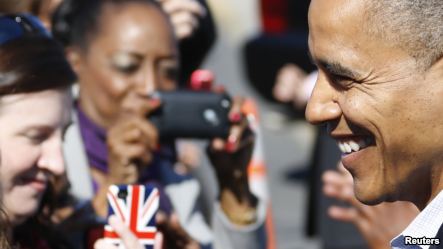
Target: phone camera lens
(122, 194)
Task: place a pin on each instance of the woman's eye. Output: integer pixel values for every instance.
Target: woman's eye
(128, 69)
(36, 138)
(171, 73)
(125, 62)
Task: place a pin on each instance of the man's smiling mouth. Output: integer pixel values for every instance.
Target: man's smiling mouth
(351, 144)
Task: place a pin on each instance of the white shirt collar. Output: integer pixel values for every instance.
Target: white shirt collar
(427, 223)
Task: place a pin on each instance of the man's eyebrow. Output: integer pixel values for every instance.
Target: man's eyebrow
(337, 69)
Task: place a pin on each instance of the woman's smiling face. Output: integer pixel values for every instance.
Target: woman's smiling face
(31, 131)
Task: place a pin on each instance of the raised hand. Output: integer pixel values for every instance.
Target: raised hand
(230, 158)
(185, 16)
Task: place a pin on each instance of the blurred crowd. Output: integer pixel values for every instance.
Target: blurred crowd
(80, 81)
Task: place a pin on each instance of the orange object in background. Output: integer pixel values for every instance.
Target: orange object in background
(257, 173)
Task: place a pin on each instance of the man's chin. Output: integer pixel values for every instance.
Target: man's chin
(369, 201)
(368, 197)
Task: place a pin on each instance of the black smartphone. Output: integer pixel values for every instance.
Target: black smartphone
(192, 114)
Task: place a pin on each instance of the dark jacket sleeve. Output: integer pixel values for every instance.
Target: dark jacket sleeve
(194, 49)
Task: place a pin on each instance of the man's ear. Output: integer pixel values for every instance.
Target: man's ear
(74, 57)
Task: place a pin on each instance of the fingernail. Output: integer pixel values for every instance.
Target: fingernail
(230, 147)
(232, 139)
(154, 102)
(235, 117)
(230, 144)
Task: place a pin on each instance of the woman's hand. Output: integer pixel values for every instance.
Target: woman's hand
(131, 142)
(230, 159)
(288, 84)
(128, 238)
(170, 235)
(185, 16)
(378, 224)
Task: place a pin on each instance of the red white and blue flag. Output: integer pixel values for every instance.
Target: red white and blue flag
(136, 207)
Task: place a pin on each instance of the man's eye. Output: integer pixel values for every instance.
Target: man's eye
(340, 80)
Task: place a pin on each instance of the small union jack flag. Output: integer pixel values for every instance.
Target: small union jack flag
(136, 206)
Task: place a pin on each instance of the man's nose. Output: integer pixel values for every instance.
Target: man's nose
(322, 105)
(52, 158)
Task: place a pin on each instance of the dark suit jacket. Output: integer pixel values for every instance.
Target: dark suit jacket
(440, 237)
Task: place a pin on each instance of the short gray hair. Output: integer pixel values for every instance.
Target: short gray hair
(413, 25)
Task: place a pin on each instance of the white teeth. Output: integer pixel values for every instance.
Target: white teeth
(341, 147)
(348, 146)
(354, 146)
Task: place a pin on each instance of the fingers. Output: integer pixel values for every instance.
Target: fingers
(345, 214)
(239, 134)
(184, 15)
(133, 130)
(102, 244)
(142, 131)
(239, 137)
(238, 122)
(184, 24)
(235, 114)
(233, 141)
(130, 144)
(337, 186)
(128, 238)
(191, 6)
(288, 83)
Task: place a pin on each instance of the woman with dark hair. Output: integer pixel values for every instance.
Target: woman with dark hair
(123, 51)
(35, 105)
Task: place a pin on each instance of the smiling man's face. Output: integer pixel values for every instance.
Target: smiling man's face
(383, 110)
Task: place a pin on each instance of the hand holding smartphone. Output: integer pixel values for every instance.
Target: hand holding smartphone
(136, 206)
(192, 114)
